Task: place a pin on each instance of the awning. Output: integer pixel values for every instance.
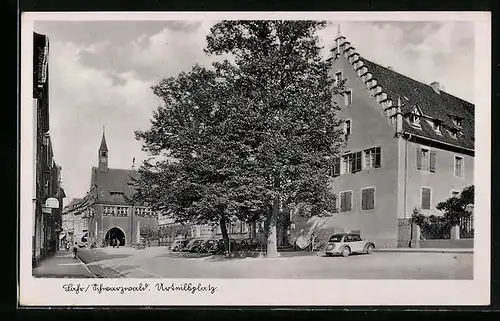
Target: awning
(62, 235)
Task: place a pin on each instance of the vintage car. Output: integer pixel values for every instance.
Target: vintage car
(178, 245)
(193, 245)
(347, 243)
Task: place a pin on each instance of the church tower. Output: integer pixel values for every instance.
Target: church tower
(103, 154)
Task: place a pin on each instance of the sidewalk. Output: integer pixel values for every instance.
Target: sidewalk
(427, 250)
(62, 265)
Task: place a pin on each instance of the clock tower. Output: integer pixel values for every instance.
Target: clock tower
(103, 154)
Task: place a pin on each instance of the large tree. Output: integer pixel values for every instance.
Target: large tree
(201, 172)
(288, 110)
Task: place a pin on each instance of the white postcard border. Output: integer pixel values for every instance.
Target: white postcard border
(268, 292)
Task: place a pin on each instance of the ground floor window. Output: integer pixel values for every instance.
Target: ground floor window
(368, 198)
(426, 198)
(345, 201)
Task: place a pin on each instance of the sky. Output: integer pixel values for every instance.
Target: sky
(101, 73)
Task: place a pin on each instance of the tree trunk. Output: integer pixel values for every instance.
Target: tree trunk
(223, 230)
(272, 248)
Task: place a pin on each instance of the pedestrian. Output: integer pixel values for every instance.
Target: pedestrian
(67, 246)
(75, 250)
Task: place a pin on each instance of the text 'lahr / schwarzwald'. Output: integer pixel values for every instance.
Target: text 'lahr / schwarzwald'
(141, 287)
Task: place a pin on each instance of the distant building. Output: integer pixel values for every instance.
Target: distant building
(74, 223)
(109, 213)
(46, 220)
(408, 145)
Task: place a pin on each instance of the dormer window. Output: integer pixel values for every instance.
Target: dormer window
(415, 120)
(453, 133)
(436, 125)
(457, 121)
(415, 117)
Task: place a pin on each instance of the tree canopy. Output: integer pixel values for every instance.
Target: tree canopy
(254, 135)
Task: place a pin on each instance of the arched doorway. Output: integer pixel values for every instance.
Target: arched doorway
(115, 233)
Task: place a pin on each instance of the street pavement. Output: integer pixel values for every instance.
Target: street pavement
(159, 262)
(62, 265)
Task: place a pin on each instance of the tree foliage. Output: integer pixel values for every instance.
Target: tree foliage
(249, 138)
(455, 209)
(288, 95)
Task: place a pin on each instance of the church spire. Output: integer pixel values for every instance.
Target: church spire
(104, 146)
(103, 153)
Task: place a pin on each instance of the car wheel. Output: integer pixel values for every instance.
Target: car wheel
(369, 249)
(346, 251)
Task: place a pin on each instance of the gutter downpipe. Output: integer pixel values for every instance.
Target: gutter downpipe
(406, 183)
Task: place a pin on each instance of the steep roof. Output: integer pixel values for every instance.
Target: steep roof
(440, 106)
(104, 146)
(113, 185)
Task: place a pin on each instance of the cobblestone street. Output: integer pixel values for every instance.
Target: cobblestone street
(160, 263)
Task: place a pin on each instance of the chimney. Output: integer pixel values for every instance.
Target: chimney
(437, 88)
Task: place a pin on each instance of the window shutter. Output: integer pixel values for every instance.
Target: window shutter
(358, 161)
(336, 166)
(348, 200)
(363, 199)
(426, 198)
(419, 158)
(432, 163)
(342, 202)
(377, 157)
(371, 203)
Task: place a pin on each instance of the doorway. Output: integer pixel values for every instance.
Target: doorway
(115, 233)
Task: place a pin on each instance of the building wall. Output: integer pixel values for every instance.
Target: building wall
(441, 182)
(370, 128)
(128, 224)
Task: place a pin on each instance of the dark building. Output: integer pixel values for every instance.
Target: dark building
(109, 214)
(47, 220)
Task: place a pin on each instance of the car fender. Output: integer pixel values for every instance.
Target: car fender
(368, 244)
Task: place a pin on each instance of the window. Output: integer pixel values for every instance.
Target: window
(372, 157)
(436, 125)
(415, 120)
(109, 210)
(455, 193)
(459, 164)
(355, 238)
(347, 127)
(368, 198)
(338, 78)
(345, 201)
(348, 97)
(426, 160)
(457, 121)
(453, 133)
(336, 166)
(351, 163)
(426, 198)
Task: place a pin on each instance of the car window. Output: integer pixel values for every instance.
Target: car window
(347, 238)
(335, 238)
(356, 238)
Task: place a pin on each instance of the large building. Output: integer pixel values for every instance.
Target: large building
(408, 146)
(48, 191)
(109, 213)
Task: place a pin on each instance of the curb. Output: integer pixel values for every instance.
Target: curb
(453, 251)
(101, 272)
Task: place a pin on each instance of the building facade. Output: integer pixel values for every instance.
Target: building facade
(408, 146)
(47, 220)
(74, 223)
(109, 213)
